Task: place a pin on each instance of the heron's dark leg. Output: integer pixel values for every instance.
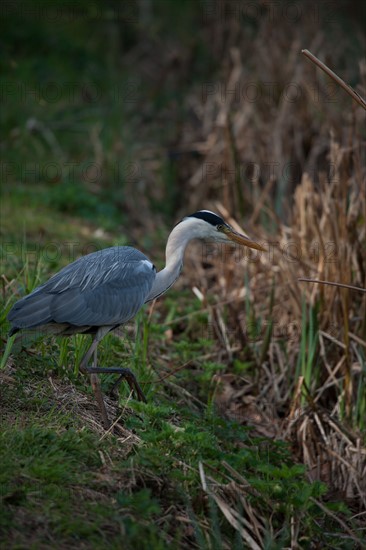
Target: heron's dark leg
(94, 370)
(94, 378)
(95, 382)
(83, 367)
(123, 372)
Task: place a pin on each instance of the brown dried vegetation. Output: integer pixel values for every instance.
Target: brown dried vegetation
(293, 165)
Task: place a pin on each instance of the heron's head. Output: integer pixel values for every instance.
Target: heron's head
(208, 225)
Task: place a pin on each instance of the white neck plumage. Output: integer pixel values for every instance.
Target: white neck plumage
(185, 231)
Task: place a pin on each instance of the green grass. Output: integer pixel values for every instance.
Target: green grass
(59, 477)
(53, 477)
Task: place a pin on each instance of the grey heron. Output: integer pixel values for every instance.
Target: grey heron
(100, 291)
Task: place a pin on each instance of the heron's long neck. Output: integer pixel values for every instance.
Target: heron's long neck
(175, 247)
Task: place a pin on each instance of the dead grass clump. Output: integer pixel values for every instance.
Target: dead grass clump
(315, 331)
(332, 453)
(68, 402)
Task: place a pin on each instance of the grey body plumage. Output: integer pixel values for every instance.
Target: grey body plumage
(105, 289)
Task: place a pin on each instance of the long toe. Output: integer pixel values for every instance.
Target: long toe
(124, 373)
(134, 385)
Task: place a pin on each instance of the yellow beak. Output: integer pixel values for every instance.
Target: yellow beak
(244, 240)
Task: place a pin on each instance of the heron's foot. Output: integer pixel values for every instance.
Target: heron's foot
(125, 373)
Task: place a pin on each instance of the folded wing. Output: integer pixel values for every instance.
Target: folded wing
(101, 289)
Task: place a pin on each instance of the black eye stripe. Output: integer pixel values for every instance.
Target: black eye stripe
(208, 217)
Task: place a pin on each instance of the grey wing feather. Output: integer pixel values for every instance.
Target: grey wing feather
(102, 288)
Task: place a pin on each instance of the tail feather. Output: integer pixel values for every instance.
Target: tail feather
(30, 311)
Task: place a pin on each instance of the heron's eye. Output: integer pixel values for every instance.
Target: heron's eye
(220, 227)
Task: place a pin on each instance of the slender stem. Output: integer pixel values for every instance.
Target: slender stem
(355, 95)
(360, 289)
